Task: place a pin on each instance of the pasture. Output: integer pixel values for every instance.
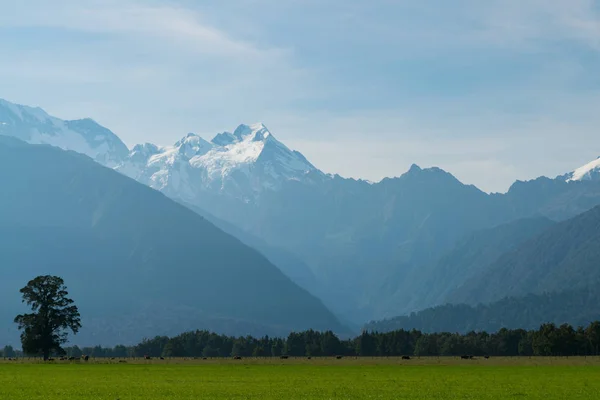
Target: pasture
(326, 378)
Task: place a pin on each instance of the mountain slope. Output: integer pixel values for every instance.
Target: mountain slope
(35, 126)
(291, 265)
(128, 253)
(566, 256)
(575, 307)
(474, 253)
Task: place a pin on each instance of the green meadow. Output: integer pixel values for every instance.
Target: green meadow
(362, 378)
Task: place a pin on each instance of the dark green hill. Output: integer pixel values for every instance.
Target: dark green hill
(136, 262)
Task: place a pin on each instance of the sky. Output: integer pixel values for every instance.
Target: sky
(491, 91)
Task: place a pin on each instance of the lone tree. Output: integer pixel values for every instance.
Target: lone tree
(45, 330)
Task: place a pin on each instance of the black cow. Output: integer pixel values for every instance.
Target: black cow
(406, 357)
(284, 357)
(338, 357)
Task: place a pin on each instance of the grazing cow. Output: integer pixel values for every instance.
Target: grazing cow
(486, 357)
(204, 358)
(406, 357)
(284, 357)
(338, 357)
(162, 358)
(51, 359)
(466, 357)
(85, 357)
(147, 358)
(237, 358)
(122, 361)
(310, 358)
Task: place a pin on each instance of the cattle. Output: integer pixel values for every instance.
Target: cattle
(406, 357)
(51, 359)
(237, 358)
(72, 358)
(338, 357)
(204, 358)
(310, 358)
(85, 357)
(63, 359)
(162, 358)
(466, 357)
(284, 357)
(147, 358)
(122, 361)
(486, 357)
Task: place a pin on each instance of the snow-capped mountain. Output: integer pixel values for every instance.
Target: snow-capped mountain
(35, 126)
(240, 164)
(590, 171)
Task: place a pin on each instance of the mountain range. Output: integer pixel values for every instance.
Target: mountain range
(368, 250)
(137, 262)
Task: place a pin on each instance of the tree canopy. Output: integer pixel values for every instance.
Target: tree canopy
(45, 329)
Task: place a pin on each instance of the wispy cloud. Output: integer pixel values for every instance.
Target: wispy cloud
(363, 88)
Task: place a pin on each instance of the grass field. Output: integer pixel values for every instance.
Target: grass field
(363, 378)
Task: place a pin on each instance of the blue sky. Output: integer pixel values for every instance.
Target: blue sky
(492, 91)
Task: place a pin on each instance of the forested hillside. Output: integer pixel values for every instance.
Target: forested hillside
(566, 256)
(576, 307)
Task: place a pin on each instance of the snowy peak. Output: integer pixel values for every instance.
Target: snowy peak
(35, 126)
(255, 132)
(589, 172)
(239, 164)
(248, 149)
(193, 145)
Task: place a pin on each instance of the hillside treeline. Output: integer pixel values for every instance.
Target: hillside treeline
(548, 340)
(576, 307)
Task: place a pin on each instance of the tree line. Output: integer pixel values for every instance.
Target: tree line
(44, 331)
(548, 340)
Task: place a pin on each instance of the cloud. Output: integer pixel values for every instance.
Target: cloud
(490, 90)
(175, 25)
